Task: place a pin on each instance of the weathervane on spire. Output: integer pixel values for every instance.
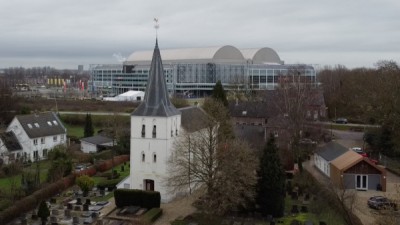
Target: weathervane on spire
(156, 26)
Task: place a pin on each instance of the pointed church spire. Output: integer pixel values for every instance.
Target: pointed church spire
(156, 100)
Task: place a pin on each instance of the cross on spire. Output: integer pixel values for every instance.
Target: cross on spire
(156, 26)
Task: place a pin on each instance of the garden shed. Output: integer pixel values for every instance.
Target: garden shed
(95, 143)
(353, 171)
(326, 154)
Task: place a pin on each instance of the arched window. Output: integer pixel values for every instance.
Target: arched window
(143, 157)
(143, 130)
(176, 132)
(172, 133)
(154, 131)
(154, 158)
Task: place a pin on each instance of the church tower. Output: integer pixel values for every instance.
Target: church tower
(154, 126)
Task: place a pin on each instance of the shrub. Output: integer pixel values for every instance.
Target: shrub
(5, 203)
(110, 184)
(151, 199)
(152, 215)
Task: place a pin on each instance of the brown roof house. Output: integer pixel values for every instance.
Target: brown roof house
(353, 171)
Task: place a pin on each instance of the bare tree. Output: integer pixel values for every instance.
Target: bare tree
(294, 96)
(227, 171)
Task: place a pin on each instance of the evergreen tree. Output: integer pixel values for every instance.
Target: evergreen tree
(219, 93)
(271, 181)
(88, 131)
(43, 212)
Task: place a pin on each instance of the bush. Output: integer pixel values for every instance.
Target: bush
(5, 203)
(128, 197)
(152, 215)
(110, 184)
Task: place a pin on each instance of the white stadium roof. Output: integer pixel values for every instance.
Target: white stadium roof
(227, 53)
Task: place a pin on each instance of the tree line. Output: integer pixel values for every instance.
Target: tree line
(368, 96)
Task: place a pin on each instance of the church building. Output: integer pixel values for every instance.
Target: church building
(155, 125)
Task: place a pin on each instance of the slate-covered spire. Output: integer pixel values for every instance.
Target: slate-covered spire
(156, 101)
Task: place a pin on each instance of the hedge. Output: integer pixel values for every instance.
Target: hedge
(152, 215)
(128, 197)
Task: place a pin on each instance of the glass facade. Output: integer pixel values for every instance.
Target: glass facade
(197, 78)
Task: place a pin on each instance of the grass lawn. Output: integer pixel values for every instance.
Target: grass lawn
(6, 183)
(77, 130)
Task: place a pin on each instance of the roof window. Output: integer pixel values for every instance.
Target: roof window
(55, 122)
(244, 113)
(37, 125)
(49, 123)
(30, 126)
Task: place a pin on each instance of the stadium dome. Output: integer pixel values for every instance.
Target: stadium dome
(261, 56)
(225, 53)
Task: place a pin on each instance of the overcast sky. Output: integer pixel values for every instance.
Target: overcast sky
(66, 33)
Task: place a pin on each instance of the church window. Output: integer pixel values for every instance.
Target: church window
(176, 132)
(143, 130)
(154, 131)
(143, 157)
(154, 157)
(172, 133)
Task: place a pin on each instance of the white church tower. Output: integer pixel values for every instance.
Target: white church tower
(154, 126)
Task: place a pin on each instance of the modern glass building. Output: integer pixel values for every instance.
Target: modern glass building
(194, 71)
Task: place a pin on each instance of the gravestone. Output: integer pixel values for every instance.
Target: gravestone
(67, 213)
(53, 219)
(87, 201)
(69, 206)
(295, 209)
(75, 220)
(55, 212)
(85, 207)
(78, 201)
(24, 221)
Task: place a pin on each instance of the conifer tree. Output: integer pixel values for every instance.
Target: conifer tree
(271, 183)
(43, 212)
(88, 131)
(219, 93)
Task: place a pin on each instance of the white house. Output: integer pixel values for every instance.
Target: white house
(155, 125)
(38, 133)
(95, 143)
(10, 149)
(326, 154)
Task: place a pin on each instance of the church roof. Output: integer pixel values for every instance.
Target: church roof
(156, 101)
(194, 118)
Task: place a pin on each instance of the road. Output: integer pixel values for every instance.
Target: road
(95, 113)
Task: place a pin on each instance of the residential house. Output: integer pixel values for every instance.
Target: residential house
(95, 143)
(38, 133)
(10, 149)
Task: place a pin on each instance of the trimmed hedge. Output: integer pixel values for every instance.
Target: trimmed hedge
(152, 215)
(145, 199)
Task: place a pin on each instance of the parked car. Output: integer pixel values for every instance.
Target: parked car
(360, 151)
(380, 202)
(341, 120)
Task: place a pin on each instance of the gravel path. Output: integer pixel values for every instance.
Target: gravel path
(178, 208)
